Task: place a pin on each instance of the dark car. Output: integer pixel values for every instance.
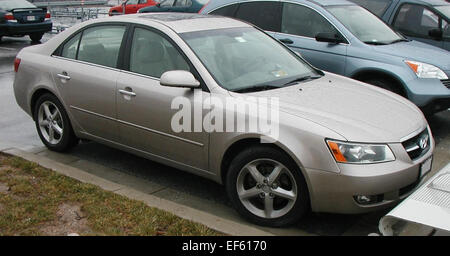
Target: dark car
(20, 18)
(189, 6)
(422, 20)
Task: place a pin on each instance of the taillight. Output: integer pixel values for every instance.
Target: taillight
(16, 64)
(9, 16)
(47, 15)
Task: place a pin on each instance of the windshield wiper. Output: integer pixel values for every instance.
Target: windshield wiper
(256, 88)
(374, 43)
(302, 79)
(400, 40)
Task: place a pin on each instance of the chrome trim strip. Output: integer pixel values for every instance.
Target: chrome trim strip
(161, 133)
(415, 147)
(140, 127)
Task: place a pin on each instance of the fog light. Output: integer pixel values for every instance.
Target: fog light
(366, 200)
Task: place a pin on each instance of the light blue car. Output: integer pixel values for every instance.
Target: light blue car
(427, 21)
(341, 37)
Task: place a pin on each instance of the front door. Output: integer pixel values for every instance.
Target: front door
(416, 21)
(299, 26)
(145, 109)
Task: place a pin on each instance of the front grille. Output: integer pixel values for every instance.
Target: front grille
(446, 83)
(418, 145)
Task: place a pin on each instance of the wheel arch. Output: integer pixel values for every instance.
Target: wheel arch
(37, 94)
(364, 74)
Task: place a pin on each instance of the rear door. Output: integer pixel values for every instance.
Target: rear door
(86, 74)
(299, 26)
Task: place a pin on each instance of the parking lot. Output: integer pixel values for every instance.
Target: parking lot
(17, 130)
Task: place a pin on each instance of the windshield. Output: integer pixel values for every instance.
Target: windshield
(15, 4)
(444, 9)
(240, 58)
(364, 25)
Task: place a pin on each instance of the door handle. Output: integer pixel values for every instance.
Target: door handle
(286, 41)
(128, 92)
(64, 76)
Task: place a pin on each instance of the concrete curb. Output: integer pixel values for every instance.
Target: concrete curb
(209, 220)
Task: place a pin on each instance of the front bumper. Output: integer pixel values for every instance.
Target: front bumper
(392, 181)
(431, 95)
(20, 29)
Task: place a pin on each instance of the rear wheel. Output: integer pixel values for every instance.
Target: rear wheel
(266, 187)
(36, 37)
(53, 124)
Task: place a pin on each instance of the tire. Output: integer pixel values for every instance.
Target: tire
(36, 37)
(385, 84)
(240, 183)
(53, 126)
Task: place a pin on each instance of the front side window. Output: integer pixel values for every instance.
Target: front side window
(101, 45)
(132, 2)
(152, 54)
(377, 7)
(265, 15)
(364, 25)
(243, 58)
(303, 21)
(416, 20)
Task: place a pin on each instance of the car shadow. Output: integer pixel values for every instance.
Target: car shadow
(206, 195)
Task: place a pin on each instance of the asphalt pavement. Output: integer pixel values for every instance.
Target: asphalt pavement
(18, 130)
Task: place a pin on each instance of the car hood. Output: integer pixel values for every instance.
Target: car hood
(414, 50)
(359, 112)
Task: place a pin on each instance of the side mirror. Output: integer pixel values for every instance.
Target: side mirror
(158, 5)
(329, 38)
(179, 78)
(435, 33)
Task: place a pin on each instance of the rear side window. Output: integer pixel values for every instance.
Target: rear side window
(101, 45)
(183, 3)
(303, 21)
(266, 15)
(227, 11)
(70, 49)
(377, 7)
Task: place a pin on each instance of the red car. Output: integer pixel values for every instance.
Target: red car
(131, 6)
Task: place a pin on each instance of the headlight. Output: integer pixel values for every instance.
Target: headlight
(423, 70)
(355, 153)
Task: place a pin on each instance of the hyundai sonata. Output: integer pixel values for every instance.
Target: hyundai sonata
(162, 86)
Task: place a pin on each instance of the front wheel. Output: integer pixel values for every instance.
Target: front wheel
(266, 187)
(53, 124)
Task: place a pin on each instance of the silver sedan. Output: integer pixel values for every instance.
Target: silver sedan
(221, 99)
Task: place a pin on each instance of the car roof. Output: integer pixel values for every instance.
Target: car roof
(182, 22)
(331, 2)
